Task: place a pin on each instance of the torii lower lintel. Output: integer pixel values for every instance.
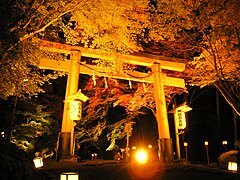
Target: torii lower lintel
(64, 65)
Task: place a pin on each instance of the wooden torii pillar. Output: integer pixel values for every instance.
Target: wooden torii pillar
(66, 137)
(157, 63)
(165, 147)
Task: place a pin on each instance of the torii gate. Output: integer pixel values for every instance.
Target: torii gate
(157, 63)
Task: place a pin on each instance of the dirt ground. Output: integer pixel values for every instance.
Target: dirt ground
(117, 170)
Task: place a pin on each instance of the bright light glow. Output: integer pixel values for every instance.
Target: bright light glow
(69, 176)
(94, 156)
(180, 120)
(134, 147)
(224, 142)
(185, 144)
(75, 110)
(232, 166)
(206, 143)
(38, 162)
(149, 146)
(141, 156)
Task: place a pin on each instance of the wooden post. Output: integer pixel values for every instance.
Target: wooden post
(165, 149)
(66, 140)
(178, 151)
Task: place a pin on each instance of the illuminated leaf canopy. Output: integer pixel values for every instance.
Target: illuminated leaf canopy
(34, 124)
(206, 27)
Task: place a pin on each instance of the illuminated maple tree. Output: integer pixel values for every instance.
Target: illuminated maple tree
(107, 25)
(207, 34)
(107, 94)
(95, 123)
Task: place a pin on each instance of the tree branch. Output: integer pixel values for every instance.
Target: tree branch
(227, 99)
(48, 24)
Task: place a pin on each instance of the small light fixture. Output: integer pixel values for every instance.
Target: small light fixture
(150, 146)
(94, 156)
(38, 162)
(186, 149)
(2, 134)
(232, 166)
(225, 145)
(224, 142)
(134, 147)
(69, 176)
(207, 153)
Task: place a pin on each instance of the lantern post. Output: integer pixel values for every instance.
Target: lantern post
(180, 123)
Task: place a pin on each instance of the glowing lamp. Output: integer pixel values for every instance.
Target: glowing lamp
(232, 166)
(180, 119)
(141, 156)
(75, 110)
(149, 146)
(38, 162)
(206, 143)
(94, 156)
(225, 145)
(224, 142)
(185, 144)
(69, 176)
(134, 147)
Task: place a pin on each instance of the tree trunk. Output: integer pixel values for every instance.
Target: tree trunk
(12, 112)
(235, 126)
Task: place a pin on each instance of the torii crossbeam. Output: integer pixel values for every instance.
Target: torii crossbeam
(72, 66)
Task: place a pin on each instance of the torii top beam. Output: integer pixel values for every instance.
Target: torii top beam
(142, 59)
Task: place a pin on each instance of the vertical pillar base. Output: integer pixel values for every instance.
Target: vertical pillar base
(63, 149)
(165, 150)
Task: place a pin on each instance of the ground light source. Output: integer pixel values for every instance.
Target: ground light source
(207, 153)
(186, 149)
(224, 143)
(141, 156)
(232, 166)
(38, 162)
(69, 176)
(94, 156)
